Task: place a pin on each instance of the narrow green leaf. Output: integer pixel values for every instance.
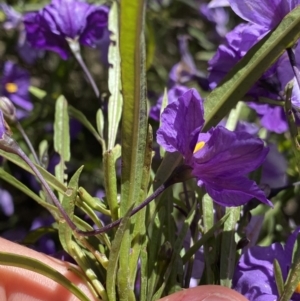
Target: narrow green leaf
(294, 273)
(210, 244)
(61, 137)
(100, 124)
(110, 180)
(134, 122)
(52, 209)
(205, 237)
(278, 277)
(176, 251)
(139, 231)
(292, 123)
(51, 180)
(68, 203)
(228, 253)
(38, 93)
(155, 236)
(115, 101)
(114, 257)
(93, 202)
(43, 269)
(144, 270)
(83, 120)
(244, 74)
(93, 216)
(43, 153)
(86, 264)
(19, 185)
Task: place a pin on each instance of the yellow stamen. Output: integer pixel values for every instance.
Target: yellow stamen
(199, 146)
(11, 88)
(297, 290)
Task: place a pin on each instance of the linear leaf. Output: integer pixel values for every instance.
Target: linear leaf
(134, 122)
(51, 180)
(244, 74)
(115, 101)
(36, 266)
(68, 203)
(81, 117)
(61, 136)
(228, 254)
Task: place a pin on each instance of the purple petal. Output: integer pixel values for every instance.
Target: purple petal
(2, 125)
(12, 17)
(267, 13)
(65, 19)
(40, 36)
(274, 168)
(173, 94)
(229, 154)
(237, 43)
(272, 118)
(254, 275)
(182, 120)
(6, 202)
(12, 74)
(95, 27)
(233, 191)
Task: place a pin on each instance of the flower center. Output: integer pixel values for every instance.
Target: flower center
(297, 290)
(199, 146)
(11, 88)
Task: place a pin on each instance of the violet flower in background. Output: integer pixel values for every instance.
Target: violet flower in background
(63, 20)
(45, 244)
(14, 85)
(12, 17)
(181, 73)
(6, 202)
(14, 20)
(270, 85)
(173, 94)
(217, 15)
(275, 165)
(254, 275)
(220, 159)
(186, 70)
(274, 168)
(265, 13)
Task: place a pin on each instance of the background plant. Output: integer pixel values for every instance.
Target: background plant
(151, 254)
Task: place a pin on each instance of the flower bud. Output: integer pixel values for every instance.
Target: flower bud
(8, 109)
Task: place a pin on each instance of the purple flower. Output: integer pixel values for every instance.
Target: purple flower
(2, 125)
(237, 44)
(45, 243)
(186, 69)
(270, 85)
(14, 85)
(6, 202)
(266, 13)
(217, 15)
(12, 18)
(254, 275)
(274, 169)
(63, 20)
(220, 159)
(173, 94)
